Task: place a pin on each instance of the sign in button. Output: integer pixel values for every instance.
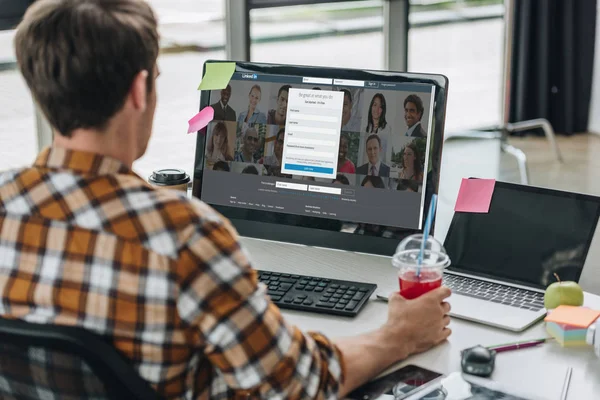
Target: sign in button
(308, 168)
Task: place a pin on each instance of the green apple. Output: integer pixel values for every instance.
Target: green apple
(563, 293)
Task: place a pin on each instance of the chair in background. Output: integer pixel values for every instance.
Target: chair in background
(503, 131)
(39, 361)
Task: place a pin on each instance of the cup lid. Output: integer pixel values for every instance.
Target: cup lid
(414, 242)
(169, 176)
(431, 259)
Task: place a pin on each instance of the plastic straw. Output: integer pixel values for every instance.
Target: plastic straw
(428, 222)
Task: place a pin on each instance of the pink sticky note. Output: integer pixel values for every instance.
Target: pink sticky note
(475, 195)
(201, 119)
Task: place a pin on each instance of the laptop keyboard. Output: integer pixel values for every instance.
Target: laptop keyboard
(494, 292)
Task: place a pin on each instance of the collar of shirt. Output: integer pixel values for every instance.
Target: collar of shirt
(86, 163)
(223, 105)
(412, 129)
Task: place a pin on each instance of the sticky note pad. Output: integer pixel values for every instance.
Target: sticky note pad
(566, 335)
(475, 195)
(201, 119)
(217, 75)
(574, 316)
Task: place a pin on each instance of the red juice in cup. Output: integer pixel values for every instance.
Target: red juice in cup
(412, 286)
(418, 275)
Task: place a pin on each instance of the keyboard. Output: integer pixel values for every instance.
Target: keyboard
(315, 294)
(495, 292)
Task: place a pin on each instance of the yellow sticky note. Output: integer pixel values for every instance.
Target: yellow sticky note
(575, 316)
(217, 75)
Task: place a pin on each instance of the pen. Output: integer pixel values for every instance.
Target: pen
(517, 345)
(565, 389)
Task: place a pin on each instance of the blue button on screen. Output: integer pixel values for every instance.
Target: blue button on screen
(308, 168)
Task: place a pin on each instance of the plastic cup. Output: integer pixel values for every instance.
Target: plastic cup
(416, 279)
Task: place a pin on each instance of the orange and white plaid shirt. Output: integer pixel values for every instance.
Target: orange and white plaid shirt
(84, 241)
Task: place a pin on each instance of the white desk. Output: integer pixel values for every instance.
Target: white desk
(539, 370)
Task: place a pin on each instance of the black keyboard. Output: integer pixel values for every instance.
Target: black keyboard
(314, 294)
(495, 292)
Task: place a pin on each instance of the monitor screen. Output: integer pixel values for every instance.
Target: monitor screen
(528, 235)
(351, 152)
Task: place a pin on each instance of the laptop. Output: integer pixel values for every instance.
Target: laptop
(503, 261)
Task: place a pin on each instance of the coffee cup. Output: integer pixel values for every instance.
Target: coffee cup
(170, 178)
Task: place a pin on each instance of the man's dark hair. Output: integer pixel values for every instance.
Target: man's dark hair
(371, 137)
(79, 58)
(221, 166)
(342, 179)
(347, 94)
(284, 88)
(250, 169)
(416, 100)
(376, 181)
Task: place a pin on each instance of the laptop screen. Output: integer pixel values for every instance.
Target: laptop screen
(528, 235)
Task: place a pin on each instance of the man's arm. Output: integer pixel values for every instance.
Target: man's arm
(252, 346)
(246, 338)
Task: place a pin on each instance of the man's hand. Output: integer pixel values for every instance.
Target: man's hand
(413, 326)
(418, 325)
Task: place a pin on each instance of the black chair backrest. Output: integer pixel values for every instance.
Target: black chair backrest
(11, 12)
(69, 362)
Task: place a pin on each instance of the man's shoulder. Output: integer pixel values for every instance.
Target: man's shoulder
(159, 219)
(176, 209)
(8, 176)
(363, 168)
(123, 205)
(8, 183)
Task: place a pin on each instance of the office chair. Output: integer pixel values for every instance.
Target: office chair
(503, 131)
(39, 361)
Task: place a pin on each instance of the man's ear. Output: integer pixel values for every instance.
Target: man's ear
(139, 92)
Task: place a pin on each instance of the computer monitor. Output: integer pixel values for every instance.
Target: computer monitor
(330, 157)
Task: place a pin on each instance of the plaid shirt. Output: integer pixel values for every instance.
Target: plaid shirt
(85, 241)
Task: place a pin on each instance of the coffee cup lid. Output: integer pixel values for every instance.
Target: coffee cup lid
(169, 176)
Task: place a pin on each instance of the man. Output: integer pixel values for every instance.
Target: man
(249, 146)
(374, 167)
(87, 242)
(277, 116)
(413, 112)
(223, 112)
(349, 124)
